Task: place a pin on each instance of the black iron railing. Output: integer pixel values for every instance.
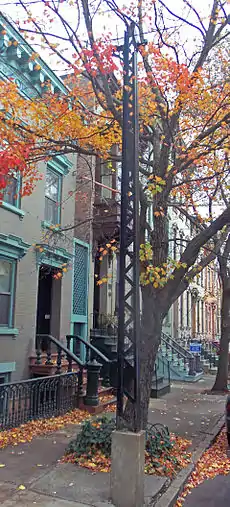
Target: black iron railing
(161, 368)
(38, 398)
(91, 354)
(185, 356)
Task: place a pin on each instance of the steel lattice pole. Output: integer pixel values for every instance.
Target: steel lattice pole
(129, 292)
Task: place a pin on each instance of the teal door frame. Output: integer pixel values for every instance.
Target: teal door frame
(80, 289)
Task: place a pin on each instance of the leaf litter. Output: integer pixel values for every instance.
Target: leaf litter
(213, 462)
(168, 464)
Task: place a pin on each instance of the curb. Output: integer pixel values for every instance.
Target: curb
(169, 498)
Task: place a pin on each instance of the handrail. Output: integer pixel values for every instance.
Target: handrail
(177, 351)
(90, 346)
(63, 347)
(32, 380)
(167, 339)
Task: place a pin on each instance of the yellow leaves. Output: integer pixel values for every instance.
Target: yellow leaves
(21, 487)
(103, 280)
(158, 213)
(155, 184)
(213, 462)
(166, 463)
(158, 276)
(146, 252)
(26, 432)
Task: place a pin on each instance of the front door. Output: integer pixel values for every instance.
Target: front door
(44, 304)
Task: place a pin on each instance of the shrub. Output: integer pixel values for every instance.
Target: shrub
(96, 435)
(157, 440)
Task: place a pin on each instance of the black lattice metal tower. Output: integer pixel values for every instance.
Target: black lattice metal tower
(129, 296)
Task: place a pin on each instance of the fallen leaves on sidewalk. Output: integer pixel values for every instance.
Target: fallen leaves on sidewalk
(26, 432)
(213, 462)
(168, 464)
(107, 398)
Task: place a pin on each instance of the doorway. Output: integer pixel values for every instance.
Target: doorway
(48, 304)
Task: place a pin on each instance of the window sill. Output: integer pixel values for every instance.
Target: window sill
(9, 331)
(13, 209)
(48, 225)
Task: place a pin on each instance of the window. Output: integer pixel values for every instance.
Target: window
(106, 179)
(202, 278)
(7, 282)
(53, 187)
(188, 309)
(202, 317)
(174, 244)
(181, 311)
(12, 191)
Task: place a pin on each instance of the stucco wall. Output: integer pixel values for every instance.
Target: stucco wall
(18, 348)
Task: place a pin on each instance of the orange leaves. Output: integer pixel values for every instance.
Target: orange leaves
(213, 462)
(26, 432)
(168, 464)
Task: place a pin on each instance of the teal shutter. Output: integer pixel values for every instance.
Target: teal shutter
(80, 289)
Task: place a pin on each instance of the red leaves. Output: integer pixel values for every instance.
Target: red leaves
(100, 58)
(213, 462)
(168, 464)
(26, 432)
(16, 159)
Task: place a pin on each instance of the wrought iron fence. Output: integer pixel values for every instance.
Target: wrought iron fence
(38, 398)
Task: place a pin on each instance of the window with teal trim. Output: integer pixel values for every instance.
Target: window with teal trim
(7, 291)
(80, 281)
(12, 194)
(53, 190)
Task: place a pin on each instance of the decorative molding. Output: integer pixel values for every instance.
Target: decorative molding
(9, 331)
(20, 67)
(54, 228)
(7, 367)
(60, 164)
(13, 246)
(55, 257)
(13, 209)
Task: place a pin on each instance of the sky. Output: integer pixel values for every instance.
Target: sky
(103, 23)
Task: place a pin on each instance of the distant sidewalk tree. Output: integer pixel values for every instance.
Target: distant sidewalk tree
(221, 381)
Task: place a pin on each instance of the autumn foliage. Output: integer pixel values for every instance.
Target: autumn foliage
(213, 462)
(184, 116)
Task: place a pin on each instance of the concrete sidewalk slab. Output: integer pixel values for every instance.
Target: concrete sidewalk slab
(26, 462)
(188, 411)
(30, 499)
(211, 493)
(75, 483)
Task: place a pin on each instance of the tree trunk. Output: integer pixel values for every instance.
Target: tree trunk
(221, 382)
(151, 327)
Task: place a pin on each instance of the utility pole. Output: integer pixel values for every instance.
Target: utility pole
(129, 296)
(127, 472)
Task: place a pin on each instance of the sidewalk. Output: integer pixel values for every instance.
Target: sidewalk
(49, 483)
(187, 411)
(211, 493)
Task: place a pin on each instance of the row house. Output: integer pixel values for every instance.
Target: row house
(45, 268)
(195, 315)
